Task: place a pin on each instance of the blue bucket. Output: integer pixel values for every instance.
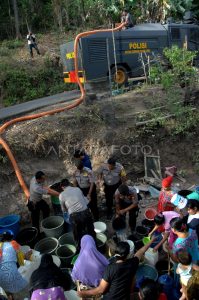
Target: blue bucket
(145, 271)
(10, 222)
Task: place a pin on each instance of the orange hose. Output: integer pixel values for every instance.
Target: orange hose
(50, 112)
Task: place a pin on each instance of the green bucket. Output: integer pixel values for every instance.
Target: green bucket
(74, 259)
(146, 240)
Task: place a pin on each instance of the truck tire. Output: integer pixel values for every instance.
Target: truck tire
(120, 76)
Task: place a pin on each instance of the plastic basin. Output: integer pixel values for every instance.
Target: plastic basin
(99, 227)
(10, 222)
(150, 213)
(53, 226)
(141, 232)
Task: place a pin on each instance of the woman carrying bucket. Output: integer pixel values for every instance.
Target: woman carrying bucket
(162, 226)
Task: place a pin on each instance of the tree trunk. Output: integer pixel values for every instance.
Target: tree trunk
(58, 13)
(16, 15)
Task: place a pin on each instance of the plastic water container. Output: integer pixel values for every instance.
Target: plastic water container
(151, 257)
(10, 222)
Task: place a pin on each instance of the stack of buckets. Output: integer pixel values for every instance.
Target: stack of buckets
(56, 242)
(62, 244)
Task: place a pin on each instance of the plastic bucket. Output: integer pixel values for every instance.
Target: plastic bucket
(141, 232)
(148, 224)
(53, 226)
(56, 260)
(99, 227)
(10, 222)
(145, 271)
(167, 283)
(132, 248)
(47, 245)
(27, 236)
(146, 240)
(66, 253)
(151, 257)
(66, 238)
(150, 213)
(101, 240)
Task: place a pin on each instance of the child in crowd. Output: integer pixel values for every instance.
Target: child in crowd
(162, 225)
(185, 269)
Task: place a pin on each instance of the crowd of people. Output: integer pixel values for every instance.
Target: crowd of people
(176, 230)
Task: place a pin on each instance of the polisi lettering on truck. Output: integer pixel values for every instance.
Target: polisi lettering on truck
(70, 55)
(102, 51)
(138, 46)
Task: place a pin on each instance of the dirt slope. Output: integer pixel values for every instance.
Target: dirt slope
(104, 128)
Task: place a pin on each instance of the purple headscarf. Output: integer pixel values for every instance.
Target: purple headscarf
(90, 264)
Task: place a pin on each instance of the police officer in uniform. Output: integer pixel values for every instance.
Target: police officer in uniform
(85, 180)
(126, 199)
(113, 174)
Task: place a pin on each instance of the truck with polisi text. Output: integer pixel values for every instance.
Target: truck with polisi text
(122, 54)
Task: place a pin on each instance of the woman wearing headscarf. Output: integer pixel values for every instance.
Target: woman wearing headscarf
(48, 281)
(10, 279)
(164, 201)
(90, 264)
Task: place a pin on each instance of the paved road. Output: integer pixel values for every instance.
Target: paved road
(21, 109)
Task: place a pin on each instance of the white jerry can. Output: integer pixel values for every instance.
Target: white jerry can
(151, 257)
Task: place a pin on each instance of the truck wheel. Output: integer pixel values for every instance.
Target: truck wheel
(120, 76)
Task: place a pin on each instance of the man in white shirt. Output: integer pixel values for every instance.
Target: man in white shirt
(73, 201)
(32, 43)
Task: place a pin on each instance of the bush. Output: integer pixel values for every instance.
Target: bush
(13, 44)
(20, 84)
(4, 51)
